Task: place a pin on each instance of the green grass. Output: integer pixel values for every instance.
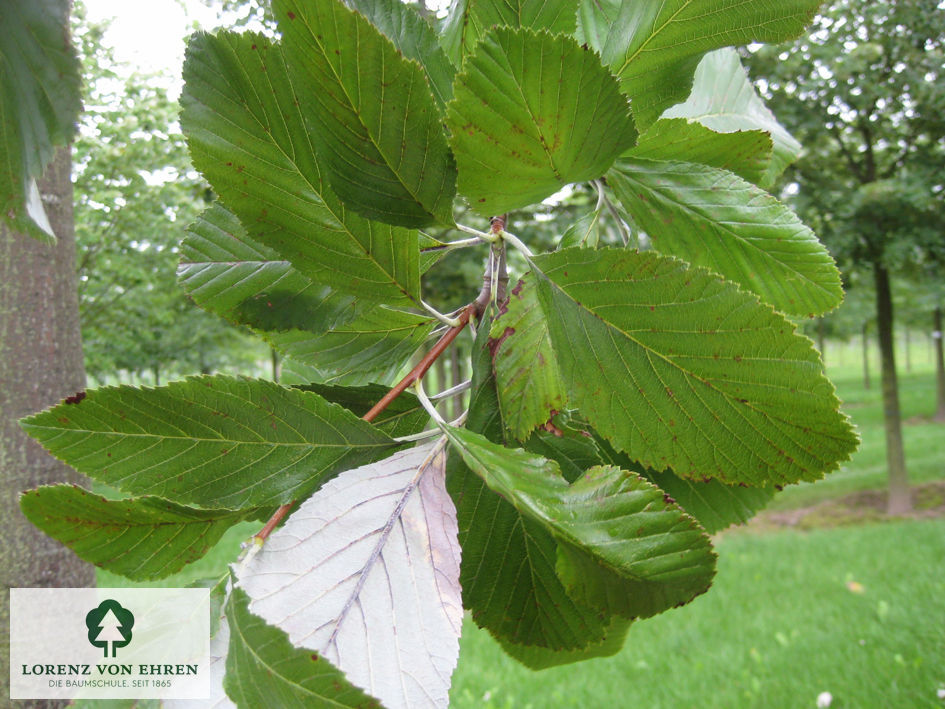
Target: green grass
(924, 440)
(780, 624)
(778, 627)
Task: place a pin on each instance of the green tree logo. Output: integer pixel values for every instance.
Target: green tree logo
(109, 623)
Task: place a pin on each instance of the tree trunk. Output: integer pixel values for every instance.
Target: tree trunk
(275, 360)
(900, 498)
(866, 355)
(156, 373)
(439, 367)
(457, 378)
(939, 364)
(40, 363)
(907, 342)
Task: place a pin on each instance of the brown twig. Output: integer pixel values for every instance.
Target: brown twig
(416, 373)
(424, 364)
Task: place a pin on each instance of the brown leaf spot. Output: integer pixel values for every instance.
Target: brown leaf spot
(494, 343)
(75, 398)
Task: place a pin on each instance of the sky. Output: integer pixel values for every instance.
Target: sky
(149, 35)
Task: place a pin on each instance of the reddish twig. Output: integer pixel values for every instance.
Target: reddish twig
(473, 309)
(425, 363)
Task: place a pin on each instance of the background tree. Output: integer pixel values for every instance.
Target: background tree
(40, 350)
(864, 93)
(136, 192)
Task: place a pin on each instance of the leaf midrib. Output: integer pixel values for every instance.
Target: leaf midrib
(357, 112)
(273, 672)
(639, 50)
(340, 220)
(541, 515)
(726, 229)
(235, 441)
(649, 351)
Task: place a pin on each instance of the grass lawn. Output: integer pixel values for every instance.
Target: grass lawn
(924, 440)
(779, 626)
(857, 611)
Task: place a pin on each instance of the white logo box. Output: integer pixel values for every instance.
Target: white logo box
(55, 655)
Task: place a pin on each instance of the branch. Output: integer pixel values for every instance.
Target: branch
(845, 151)
(492, 286)
(414, 375)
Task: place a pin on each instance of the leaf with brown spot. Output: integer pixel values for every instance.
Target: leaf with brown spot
(732, 419)
(527, 377)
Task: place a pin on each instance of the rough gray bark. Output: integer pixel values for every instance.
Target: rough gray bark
(40, 363)
(900, 497)
(939, 365)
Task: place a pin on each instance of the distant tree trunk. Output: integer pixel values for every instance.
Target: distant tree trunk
(40, 363)
(939, 364)
(276, 362)
(866, 355)
(821, 340)
(441, 379)
(907, 343)
(156, 371)
(457, 378)
(900, 498)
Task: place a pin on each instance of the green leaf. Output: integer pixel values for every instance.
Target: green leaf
(415, 39)
(210, 441)
(715, 219)
(263, 669)
(502, 549)
(532, 112)
(714, 504)
(228, 273)
(247, 135)
(573, 449)
(654, 46)
(404, 416)
(373, 348)
(665, 561)
(527, 379)
(584, 232)
(142, 539)
(375, 123)
(366, 573)
(39, 103)
(682, 370)
(541, 658)
(622, 547)
(468, 20)
(724, 99)
(746, 153)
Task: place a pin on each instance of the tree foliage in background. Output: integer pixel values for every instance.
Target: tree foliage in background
(136, 191)
(864, 92)
(630, 394)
